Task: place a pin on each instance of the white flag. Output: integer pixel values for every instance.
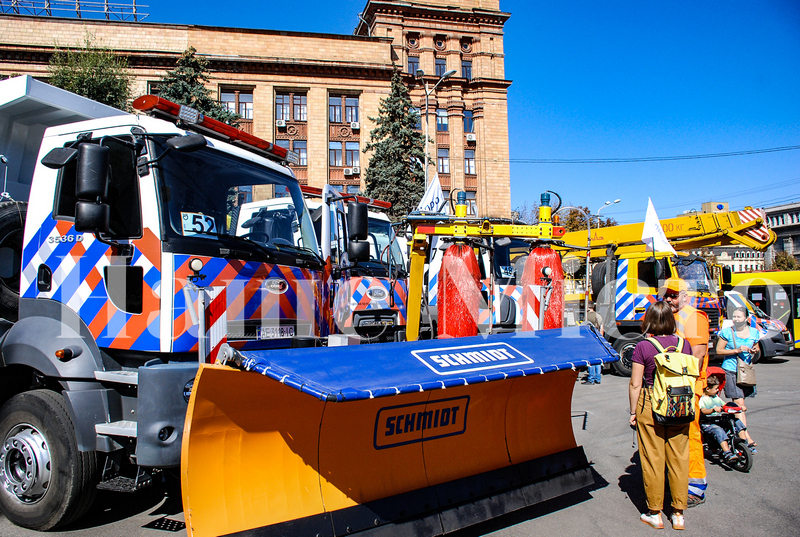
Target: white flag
(652, 232)
(433, 197)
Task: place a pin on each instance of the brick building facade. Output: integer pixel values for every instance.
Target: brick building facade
(315, 93)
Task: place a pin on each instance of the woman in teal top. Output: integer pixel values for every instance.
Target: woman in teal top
(738, 341)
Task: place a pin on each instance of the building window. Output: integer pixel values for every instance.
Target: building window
(441, 66)
(238, 101)
(441, 120)
(335, 110)
(300, 108)
(282, 103)
(469, 125)
(351, 154)
(413, 65)
(466, 69)
(351, 109)
(300, 147)
(153, 87)
(284, 144)
(443, 160)
(335, 153)
(353, 189)
(469, 162)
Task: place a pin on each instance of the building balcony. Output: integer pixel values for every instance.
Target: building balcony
(471, 183)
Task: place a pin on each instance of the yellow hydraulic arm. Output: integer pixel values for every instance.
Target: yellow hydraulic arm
(683, 232)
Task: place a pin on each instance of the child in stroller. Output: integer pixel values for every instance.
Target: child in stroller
(723, 434)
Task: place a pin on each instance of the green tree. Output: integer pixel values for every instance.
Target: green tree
(186, 85)
(785, 261)
(393, 174)
(92, 71)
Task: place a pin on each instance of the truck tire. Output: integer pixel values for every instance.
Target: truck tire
(45, 482)
(598, 280)
(12, 226)
(624, 346)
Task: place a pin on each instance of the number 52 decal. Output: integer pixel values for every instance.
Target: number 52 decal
(197, 223)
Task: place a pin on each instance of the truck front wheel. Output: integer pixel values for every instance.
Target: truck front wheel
(45, 481)
(624, 346)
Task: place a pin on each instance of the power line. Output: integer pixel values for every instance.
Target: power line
(735, 194)
(649, 159)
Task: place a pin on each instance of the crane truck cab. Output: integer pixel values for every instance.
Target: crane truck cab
(625, 283)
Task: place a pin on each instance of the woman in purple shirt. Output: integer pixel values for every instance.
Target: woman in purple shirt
(662, 449)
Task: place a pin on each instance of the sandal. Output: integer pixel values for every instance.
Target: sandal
(752, 446)
(694, 501)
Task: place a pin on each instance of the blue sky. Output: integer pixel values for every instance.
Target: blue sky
(620, 80)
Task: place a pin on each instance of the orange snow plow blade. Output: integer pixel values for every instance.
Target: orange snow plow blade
(280, 454)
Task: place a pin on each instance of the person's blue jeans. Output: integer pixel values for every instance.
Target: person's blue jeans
(718, 432)
(594, 374)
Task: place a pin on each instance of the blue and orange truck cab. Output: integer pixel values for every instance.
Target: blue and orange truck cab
(370, 296)
(130, 272)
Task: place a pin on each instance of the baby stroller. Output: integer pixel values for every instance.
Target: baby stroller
(743, 461)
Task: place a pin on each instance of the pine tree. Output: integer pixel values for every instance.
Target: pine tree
(93, 72)
(186, 85)
(393, 174)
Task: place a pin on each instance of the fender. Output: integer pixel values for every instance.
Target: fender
(46, 326)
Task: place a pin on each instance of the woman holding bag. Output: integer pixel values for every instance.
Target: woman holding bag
(738, 342)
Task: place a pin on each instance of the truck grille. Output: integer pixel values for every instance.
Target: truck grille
(713, 317)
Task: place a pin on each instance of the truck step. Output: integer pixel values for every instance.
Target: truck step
(120, 377)
(116, 428)
(126, 484)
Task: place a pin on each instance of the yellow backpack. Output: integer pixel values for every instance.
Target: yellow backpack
(673, 398)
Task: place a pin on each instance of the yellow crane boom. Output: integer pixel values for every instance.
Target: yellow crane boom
(746, 227)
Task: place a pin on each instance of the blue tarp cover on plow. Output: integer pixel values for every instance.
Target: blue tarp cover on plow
(366, 371)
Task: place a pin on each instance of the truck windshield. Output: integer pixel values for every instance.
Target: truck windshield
(696, 274)
(382, 246)
(212, 194)
(509, 261)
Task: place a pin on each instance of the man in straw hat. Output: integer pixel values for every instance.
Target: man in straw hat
(692, 325)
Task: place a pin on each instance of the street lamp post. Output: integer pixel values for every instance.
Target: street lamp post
(606, 204)
(421, 74)
(588, 252)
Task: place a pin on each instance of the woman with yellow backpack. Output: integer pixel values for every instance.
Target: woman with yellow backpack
(661, 408)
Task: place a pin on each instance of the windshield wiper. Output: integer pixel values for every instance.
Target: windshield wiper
(268, 253)
(300, 250)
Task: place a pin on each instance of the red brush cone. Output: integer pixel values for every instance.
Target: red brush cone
(532, 275)
(459, 292)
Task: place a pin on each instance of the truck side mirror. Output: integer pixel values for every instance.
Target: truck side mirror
(357, 222)
(92, 213)
(358, 251)
(188, 143)
(92, 180)
(661, 269)
(59, 157)
(726, 278)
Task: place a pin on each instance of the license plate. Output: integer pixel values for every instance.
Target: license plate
(275, 332)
